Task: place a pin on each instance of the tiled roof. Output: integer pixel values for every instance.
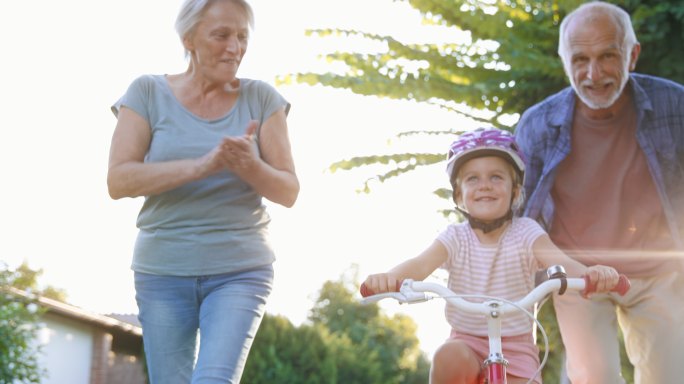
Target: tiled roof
(76, 313)
(129, 318)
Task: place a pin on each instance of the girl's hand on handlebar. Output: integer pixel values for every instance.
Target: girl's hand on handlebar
(602, 277)
(382, 282)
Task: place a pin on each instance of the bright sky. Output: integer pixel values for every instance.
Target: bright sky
(67, 62)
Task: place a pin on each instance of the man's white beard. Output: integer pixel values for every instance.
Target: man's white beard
(601, 104)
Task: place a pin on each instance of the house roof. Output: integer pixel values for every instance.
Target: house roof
(79, 314)
(129, 318)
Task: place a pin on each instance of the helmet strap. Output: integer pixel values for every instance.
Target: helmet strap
(486, 226)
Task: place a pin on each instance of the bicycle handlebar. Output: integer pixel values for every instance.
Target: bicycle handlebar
(493, 308)
(410, 291)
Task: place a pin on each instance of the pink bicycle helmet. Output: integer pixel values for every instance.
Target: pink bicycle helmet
(484, 142)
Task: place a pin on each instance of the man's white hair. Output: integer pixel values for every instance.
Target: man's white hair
(621, 18)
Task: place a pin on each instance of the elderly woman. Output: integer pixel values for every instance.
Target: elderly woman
(203, 147)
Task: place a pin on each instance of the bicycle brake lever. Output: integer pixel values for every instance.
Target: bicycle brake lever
(411, 296)
(414, 297)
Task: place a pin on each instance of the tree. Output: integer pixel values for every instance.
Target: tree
(26, 279)
(284, 353)
(507, 63)
(344, 342)
(18, 327)
(19, 317)
(388, 341)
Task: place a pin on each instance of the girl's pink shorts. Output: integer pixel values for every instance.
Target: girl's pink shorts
(520, 352)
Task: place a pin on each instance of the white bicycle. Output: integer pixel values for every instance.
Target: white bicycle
(494, 310)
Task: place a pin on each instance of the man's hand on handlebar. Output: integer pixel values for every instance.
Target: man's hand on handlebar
(601, 279)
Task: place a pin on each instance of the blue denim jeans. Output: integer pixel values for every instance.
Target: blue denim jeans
(226, 309)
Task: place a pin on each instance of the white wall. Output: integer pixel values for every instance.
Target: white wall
(66, 350)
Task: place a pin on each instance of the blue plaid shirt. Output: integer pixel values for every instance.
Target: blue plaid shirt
(543, 134)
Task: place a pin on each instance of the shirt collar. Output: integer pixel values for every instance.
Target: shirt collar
(564, 109)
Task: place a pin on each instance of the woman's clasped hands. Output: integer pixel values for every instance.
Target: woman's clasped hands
(234, 153)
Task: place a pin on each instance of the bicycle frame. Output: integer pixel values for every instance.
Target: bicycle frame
(494, 309)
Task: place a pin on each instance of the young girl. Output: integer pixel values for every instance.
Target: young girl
(493, 253)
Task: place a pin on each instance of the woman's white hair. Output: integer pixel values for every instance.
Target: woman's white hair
(621, 18)
(192, 11)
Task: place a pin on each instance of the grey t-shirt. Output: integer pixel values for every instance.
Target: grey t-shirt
(210, 226)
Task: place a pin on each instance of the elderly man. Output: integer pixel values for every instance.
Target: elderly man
(606, 178)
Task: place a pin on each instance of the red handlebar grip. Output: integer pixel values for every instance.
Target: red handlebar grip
(365, 291)
(621, 287)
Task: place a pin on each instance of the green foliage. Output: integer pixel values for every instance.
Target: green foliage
(401, 162)
(344, 342)
(553, 366)
(507, 63)
(627, 367)
(388, 342)
(660, 29)
(26, 279)
(487, 73)
(18, 328)
(283, 353)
